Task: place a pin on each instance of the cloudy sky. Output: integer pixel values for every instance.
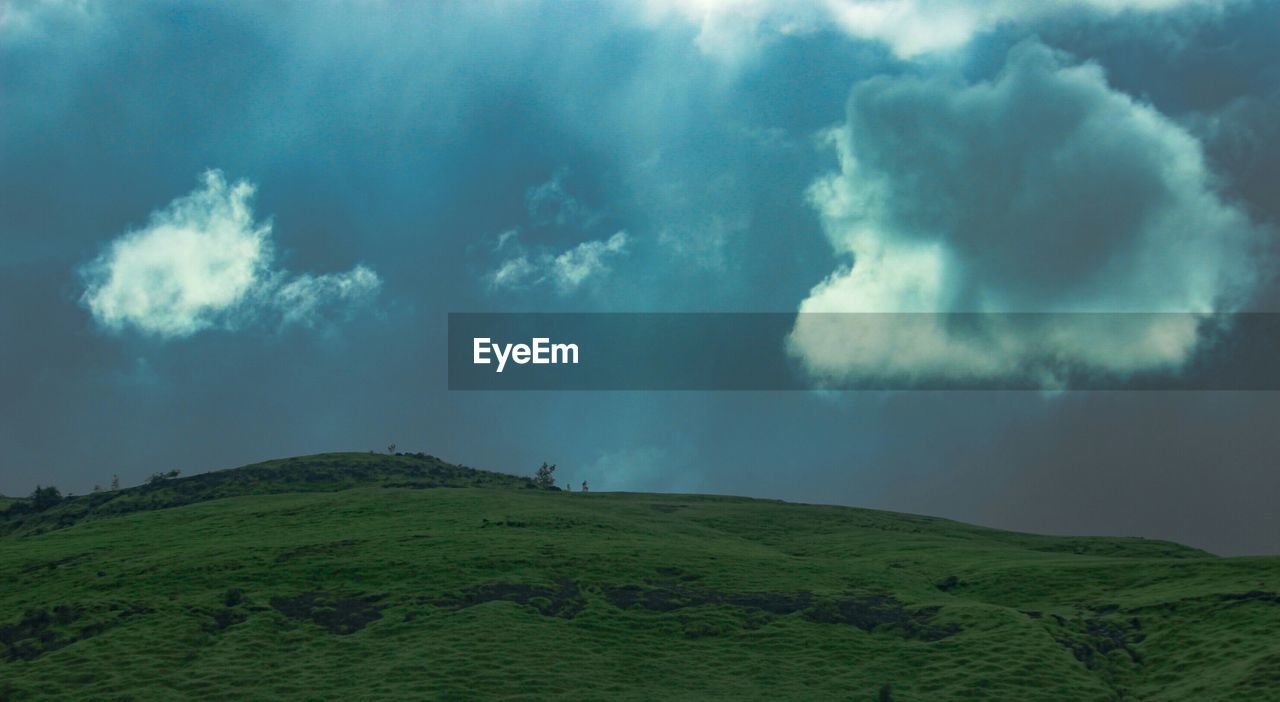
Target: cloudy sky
(233, 231)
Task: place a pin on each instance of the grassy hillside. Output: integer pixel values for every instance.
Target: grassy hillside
(351, 576)
(328, 472)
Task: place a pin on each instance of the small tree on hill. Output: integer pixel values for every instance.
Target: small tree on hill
(45, 497)
(115, 482)
(157, 478)
(543, 477)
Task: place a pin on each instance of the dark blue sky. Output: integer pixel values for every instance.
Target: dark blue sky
(233, 231)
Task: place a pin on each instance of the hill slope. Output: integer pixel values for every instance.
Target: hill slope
(346, 576)
(328, 472)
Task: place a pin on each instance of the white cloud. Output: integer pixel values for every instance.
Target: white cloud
(587, 260)
(203, 262)
(1042, 191)
(565, 272)
(731, 30)
(307, 298)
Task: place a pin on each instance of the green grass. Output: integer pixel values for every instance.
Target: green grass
(289, 581)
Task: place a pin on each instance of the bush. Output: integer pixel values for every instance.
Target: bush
(157, 478)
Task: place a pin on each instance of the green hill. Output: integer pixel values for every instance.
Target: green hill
(361, 576)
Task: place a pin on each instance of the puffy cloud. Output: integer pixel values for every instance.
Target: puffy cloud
(1041, 191)
(204, 262)
(731, 30)
(565, 271)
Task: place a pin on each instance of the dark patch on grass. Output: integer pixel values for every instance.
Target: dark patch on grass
(35, 634)
(665, 508)
(339, 614)
(42, 631)
(871, 612)
(233, 596)
(949, 583)
(867, 612)
(564, 601)
(52, 565)
(326, 549)
(701, 630)
(1252, 596)
(513, 523)
(423, 485)
(674, 573)
(1128, 548)
(1094, 638)
(217, 619)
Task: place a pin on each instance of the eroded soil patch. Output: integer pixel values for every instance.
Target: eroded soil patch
(564, 600)
(339, 614)
(41, 631)
(867, 612)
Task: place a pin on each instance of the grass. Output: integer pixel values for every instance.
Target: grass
(312, 579)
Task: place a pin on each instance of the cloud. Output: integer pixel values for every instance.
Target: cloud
(308, 299)
(552, 209)
(550, 203)
(565, 272)
(732, 30)
(1042, 191)
(203, 262)
(706, 242)
(641, 469)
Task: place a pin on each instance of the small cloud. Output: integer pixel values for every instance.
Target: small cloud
(308, 299)
(202, 263)
(641, 469)
(551, 204)
(511, 236)
(705, 243)
(587, 260)
(512, 273)
(566, 271)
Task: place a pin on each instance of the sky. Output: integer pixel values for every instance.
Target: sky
(233, 231)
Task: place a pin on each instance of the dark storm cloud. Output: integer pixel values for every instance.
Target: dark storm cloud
(407, 137)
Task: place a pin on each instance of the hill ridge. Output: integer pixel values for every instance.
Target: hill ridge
(321, 472)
